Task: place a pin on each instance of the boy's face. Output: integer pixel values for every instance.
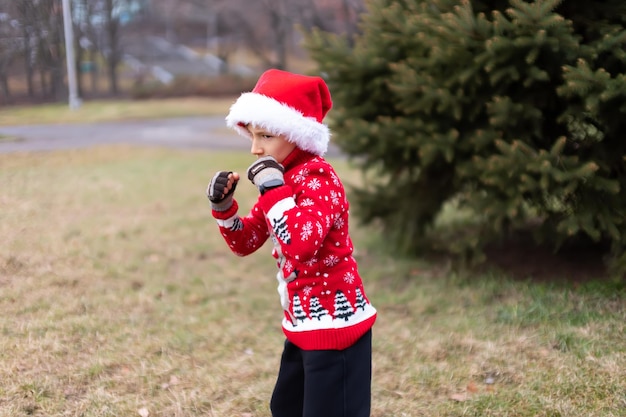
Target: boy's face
(264, 143)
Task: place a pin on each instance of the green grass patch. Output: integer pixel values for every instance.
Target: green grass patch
(9, 138)
(114, 110)
(117, 294)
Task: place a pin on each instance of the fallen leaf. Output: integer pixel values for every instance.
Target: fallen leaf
(152, 258)
(472, 387)
(460, 397)
(399, 394)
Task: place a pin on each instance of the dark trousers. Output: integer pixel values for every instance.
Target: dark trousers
(324, 383)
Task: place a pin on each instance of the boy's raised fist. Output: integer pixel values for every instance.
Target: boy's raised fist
(266, 173)
(221, 189)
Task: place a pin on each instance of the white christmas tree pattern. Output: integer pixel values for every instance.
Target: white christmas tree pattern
(311, 313)
(343, 308)
(316, 310)
(360, 300)
(298, 311)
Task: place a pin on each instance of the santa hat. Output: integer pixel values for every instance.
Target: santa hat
(286, 104)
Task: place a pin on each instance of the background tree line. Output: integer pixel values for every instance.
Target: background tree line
(32, 49)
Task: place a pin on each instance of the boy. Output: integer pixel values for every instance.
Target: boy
(325, 368)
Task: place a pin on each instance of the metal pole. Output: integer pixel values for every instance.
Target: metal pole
(69, 54)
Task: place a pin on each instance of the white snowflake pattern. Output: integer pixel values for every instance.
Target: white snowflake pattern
(349, 278)
(311, 262)
(254, 238)
(307, 231)
(339, 223)
(288, 267)
(329, 221)
(314, 184)
(335, 179)
(331, 260)
(301, 175)
(307, 290)
(334, 197)
(320, 229)
(307, 202)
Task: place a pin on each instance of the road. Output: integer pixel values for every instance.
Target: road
(188, 132)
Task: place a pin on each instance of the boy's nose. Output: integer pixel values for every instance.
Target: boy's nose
(255, 149)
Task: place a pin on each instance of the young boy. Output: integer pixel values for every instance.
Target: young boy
(325, 369)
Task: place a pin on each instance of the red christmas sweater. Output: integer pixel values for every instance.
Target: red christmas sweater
(325, 305)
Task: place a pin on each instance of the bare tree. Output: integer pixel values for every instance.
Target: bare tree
(281, 23)
(169, 10)
(9, 49)
(220, 18)
(88, 34)
(312, 15)
(80, 21)
(99, 29)
(351, 9)
(266, 30)
(42, 47)
(53, 46)
(113, 51)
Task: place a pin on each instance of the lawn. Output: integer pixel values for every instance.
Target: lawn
(113, 110)
(119, 298)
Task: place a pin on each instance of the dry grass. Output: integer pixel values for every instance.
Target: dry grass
(113, 110)
(117, 295)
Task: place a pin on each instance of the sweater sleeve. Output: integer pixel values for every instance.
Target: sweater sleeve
(243, 235)
(302, 212)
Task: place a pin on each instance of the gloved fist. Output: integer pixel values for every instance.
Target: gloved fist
(266, 173)
(221, 189)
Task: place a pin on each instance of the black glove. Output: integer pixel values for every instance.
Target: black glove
(221, 198)
(266, 173)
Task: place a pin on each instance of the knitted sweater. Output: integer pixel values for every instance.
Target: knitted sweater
(325, 305)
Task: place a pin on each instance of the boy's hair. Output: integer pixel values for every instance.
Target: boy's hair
(284, 103)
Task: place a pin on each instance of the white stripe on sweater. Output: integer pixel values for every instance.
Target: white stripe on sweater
(229, 222)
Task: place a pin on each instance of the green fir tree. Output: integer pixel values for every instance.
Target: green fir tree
(510, 110)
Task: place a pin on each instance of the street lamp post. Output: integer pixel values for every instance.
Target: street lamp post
(69, 54)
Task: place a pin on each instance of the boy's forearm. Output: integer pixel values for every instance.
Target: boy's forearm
(242, 235)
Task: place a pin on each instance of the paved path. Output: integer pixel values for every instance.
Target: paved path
(188, 132)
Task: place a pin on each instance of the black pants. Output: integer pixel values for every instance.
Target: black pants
(324, 383)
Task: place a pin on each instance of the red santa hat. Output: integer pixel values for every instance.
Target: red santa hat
(286, 104)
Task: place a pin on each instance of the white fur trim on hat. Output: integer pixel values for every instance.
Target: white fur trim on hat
(280, 119)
